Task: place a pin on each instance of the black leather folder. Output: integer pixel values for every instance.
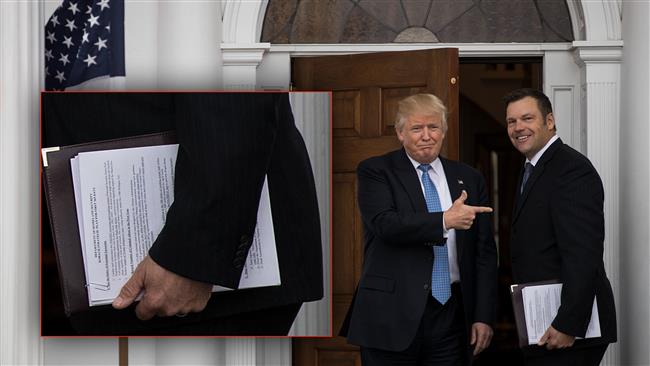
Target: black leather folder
(59, 195)
(518, 308)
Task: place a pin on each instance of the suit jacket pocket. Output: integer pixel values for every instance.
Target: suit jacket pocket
(379, 283)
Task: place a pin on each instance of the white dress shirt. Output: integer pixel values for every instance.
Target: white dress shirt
(437, 175)
(539, 154)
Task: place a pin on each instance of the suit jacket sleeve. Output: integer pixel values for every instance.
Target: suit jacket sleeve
(578, 220)
(225, 149)
(486, 261)
(380, 212)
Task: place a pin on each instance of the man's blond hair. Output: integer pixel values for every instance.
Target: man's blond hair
(421, 104)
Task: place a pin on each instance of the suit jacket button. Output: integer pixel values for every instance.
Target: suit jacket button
(426, 286)
(244, 240)
(238, 263)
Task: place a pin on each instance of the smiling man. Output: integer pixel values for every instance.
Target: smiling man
(557, 233)
(427, 293)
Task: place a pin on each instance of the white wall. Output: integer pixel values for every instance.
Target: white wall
(635, 180)
(562, 85)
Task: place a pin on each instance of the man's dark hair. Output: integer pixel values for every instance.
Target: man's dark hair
(543, 103)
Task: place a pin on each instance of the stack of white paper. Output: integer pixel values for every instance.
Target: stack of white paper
(541, 304)
(122, 197)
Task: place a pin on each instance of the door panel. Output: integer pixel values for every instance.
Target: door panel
(365, 91)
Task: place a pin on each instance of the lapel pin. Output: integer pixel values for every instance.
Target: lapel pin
(460, 181)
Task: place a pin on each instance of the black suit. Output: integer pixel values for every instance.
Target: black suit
(558, 231)
(398, 258)
(228, 143)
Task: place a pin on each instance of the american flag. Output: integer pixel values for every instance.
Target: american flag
(84, 39)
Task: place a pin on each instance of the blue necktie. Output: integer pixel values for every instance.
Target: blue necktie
(440, 286)
(528, 170)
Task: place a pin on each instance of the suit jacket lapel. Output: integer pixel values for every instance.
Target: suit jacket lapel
(537, 172)
(456, 186)
(410, 180)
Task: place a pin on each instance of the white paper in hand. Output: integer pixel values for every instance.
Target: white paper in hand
(122, 197)
(541, 304)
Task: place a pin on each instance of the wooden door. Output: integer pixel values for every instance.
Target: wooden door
(365, 91)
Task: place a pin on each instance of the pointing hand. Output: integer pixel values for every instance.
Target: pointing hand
(461, 216)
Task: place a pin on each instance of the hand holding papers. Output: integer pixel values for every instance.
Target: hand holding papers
(535, 307)
(122, 197)
(162, 292)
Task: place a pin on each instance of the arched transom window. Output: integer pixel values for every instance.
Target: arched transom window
(402, 21)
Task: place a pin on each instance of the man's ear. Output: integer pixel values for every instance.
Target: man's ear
(550, 121)
(399, 134)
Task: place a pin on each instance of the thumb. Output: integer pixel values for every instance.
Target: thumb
(131, 289)
(462, 198)
(473, 340)
(544, 339)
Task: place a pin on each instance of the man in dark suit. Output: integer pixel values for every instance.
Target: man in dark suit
(228, 142)
(427, 293)
(558, 232)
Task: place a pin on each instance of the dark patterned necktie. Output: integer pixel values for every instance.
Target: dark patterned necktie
(528, 170)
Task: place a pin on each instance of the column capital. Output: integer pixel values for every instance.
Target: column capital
(240, 63)
(243, 54)
(587, 52)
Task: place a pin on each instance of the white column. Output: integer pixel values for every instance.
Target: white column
(240, 62)
(241, 352)
(242, 54)
(274, 72)
(635, 180)
(20, 74)
(273, 352)
(241, 50)
(188, 57)
(190, 351)
(142, 351)
(311, 112)
(141, 44)
(80, 352)
(601, 71)
(189, 34)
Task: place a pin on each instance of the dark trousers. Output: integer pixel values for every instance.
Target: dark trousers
(588, 356)
(440, 339)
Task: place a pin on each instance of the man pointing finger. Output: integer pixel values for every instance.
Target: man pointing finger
(427, 292)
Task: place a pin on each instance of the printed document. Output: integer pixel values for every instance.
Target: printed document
(122, 197)
(541, 304)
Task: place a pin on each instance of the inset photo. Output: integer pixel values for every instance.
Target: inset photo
(185, 214)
